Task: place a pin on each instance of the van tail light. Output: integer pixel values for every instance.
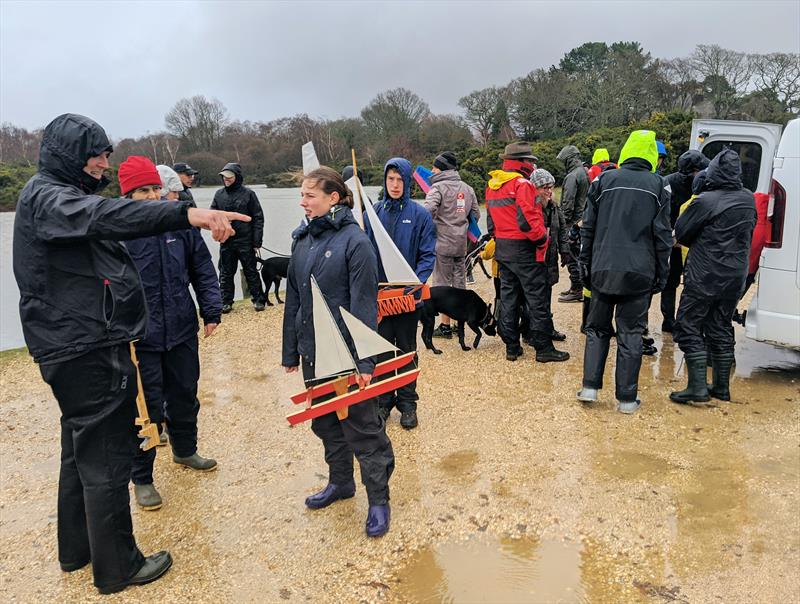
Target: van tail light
(777, 211)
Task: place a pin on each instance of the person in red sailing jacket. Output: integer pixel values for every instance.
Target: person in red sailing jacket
(517, 224)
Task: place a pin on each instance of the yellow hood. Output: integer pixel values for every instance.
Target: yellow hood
(501, 177)
(642, 144)
(599, 155)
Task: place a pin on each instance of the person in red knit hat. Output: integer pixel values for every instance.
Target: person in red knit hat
(168, 356)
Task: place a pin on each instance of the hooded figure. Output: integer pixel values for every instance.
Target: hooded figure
(81, 303)
(717, 227)
(573, 200)
(625, 248)
(241, 248)
(600, 159)
(411, 228)
(680, 185)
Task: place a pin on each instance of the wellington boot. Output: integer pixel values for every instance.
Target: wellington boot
(697, 390)
(721, 370)
(147, 496)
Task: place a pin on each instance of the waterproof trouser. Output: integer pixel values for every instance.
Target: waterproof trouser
(400, 330)
(576, 283)
(668, 295)
(96, 393)
(229, 257)
(704, 320)
(630, 313)
(169, 380)
(363, 433)
(525, 279)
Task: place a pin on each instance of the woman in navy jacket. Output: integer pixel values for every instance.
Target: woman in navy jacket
(168, 355)
(331, 247)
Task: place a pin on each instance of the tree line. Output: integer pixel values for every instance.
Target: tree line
(595, 94)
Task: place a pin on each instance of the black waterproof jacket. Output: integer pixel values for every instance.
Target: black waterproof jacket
(559, 243)
(186, 195)
(79, 288)
(339, 254)
(680, 182)
(168, 264)
(626, 237)
(718, 228)
(238, 198)
(575, 186)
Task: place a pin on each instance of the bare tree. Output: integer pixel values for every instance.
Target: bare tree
(779, 74)
(395, 111)
(198, 121)
(726, 75)
(479, 111)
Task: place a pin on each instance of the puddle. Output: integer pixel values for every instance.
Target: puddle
(459, 463)
(510, 571)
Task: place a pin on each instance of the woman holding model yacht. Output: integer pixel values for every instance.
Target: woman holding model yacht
(331, 247)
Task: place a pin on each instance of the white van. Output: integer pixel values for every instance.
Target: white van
(770, 164)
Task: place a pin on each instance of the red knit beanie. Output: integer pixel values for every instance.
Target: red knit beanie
(135, 172)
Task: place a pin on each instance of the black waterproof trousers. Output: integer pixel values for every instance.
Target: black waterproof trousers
(630, 313)
(525, 279)
(363, 433)
(705, 321)
(576, 284)
(400, 330)
(229, 257)
(170, 380)
(668, 296)
(96, 393)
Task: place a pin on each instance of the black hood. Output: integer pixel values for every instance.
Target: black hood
(237, 170)
(724, 171)
(692, 161)
(67, 143)
(699, 182)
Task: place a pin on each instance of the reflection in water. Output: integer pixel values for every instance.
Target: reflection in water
(506, 570)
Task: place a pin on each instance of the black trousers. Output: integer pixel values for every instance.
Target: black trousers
(668, 296)
(702, 320)
(572, 262)
(400, 330)
(229, 257)
(525, 279)
(362, 434)
(630, 313)
(169, 380)
(96, 393)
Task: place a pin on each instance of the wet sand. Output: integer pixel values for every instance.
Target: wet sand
(509, 490)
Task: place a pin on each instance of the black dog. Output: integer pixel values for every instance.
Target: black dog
(272, 271)
(461, 305)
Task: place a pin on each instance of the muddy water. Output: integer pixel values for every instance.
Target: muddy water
(508, 491)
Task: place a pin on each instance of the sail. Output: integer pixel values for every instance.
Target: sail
(368, 343)
(358, 203)
(331, 355)
(310, 161)
(394, 264)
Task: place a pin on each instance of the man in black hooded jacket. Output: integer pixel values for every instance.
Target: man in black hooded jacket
(242, 247)
(680, 185)
(81, 304)
(573, 200)
(718, 228)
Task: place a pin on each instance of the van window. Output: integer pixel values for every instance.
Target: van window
(749, 153)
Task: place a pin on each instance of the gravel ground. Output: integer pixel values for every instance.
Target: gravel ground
(506, 468)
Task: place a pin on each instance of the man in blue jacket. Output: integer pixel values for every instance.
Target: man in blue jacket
(411, 228)
(168, 356)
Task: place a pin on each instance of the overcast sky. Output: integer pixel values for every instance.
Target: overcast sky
(126, 63)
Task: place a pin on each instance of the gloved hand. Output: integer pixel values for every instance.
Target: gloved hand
(575, 233)
(658, 286)
(586, 275)
(484, 238)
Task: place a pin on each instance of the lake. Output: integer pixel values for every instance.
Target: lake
(282, 214)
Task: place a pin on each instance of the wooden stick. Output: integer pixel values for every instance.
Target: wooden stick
(148, 431)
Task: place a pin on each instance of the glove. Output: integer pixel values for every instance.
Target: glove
(586, 275)
(484, 238)
(658, 286)
(575, 234)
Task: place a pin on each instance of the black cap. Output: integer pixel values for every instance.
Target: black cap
(347, 174)
(446, 161)
(185, 168)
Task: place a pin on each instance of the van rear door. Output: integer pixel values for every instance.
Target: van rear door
(756, 144)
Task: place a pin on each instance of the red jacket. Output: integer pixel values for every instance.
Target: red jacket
(595, 170)
(514, 212)
(761, 232)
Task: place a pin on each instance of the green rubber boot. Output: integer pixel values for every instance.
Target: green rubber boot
(697, 389)
(721, 365)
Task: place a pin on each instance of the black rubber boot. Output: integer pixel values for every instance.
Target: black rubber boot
(721, 369)
(697, 389)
